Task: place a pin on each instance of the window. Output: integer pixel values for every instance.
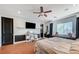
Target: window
(60, 28)
(64, 28)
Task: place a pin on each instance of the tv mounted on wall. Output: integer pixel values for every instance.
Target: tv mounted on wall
(30, 25)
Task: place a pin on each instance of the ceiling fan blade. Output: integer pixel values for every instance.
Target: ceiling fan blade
(37, 12)
(41, 9)
(48, 11)
(45, 15)
(39, 15)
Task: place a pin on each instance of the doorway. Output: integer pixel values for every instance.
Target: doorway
(41, 31)
(51, 29)
(7, 30)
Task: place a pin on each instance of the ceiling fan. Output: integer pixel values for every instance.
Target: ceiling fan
(42, 12)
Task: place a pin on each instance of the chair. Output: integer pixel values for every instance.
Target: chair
(28, 37)
(36, 37)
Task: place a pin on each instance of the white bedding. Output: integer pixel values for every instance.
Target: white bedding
(56, 45)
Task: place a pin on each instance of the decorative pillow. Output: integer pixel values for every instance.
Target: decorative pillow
(56, 34)
(70, 35)
(73, 35)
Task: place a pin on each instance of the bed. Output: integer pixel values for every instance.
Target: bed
(57, 45)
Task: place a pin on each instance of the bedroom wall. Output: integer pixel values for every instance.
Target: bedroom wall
(19, 26)
(64, 20)
(68, 19)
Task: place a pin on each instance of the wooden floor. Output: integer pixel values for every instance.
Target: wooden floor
(20, 48)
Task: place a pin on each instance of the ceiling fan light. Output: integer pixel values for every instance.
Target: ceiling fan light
(42, 12)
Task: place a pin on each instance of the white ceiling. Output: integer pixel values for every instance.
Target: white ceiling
(58, 10)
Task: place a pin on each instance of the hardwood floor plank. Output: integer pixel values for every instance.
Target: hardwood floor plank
(21, 48)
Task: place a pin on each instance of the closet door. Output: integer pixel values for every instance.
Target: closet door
(7, 30)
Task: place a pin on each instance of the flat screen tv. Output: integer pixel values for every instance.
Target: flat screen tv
(30, 25)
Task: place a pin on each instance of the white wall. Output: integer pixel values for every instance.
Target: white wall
(19, 26)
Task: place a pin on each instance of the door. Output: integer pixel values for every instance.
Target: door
(42, 30)
(7, 30)
(51, 29)
(77, 28)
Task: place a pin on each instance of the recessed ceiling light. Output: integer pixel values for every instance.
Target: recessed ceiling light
(19, 12)
(66, 9)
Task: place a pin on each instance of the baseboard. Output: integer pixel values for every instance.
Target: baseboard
(20, 42)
